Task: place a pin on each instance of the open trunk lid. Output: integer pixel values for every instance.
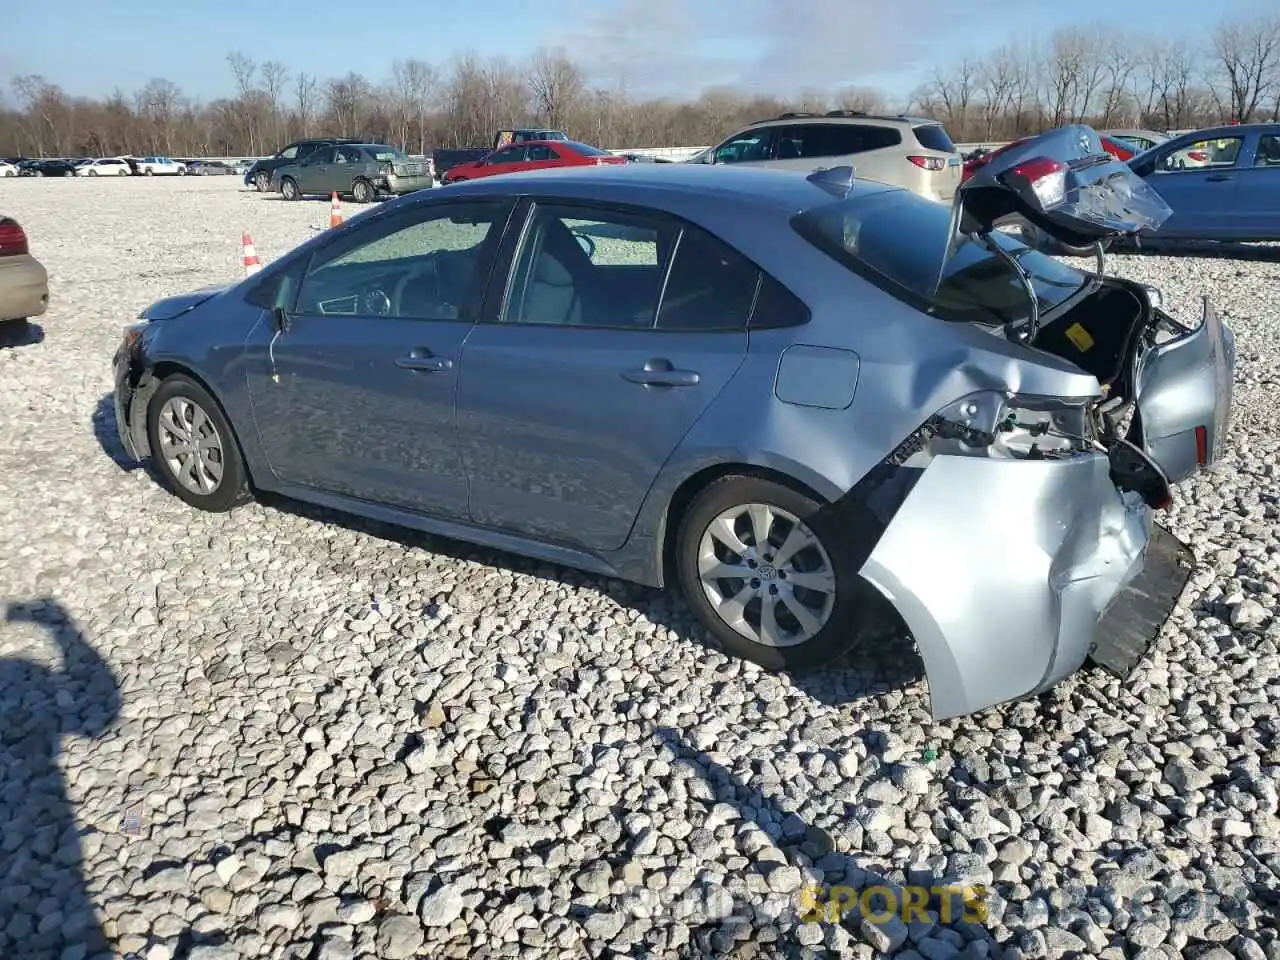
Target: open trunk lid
(1067, 184)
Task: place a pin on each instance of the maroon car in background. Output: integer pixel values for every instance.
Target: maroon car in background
(533, 155)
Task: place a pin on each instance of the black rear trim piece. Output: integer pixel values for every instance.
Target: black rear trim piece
(1135, 617)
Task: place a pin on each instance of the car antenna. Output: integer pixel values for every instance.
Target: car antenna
(1033, 326)
(837, 181)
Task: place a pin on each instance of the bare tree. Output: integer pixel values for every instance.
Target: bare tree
(996, 83)
(556, 83)
(413, 94)
(862, 99)
(275, 76)
(348, 100)
(304, 101)
(1248, 55)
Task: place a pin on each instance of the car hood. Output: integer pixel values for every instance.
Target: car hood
(1067, 184)
(175, 306)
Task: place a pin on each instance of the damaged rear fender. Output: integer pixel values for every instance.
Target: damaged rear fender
(1001, 569)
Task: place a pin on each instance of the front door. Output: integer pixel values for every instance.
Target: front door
(315, 173)
(600, 362)
(1199, 184)
(357, 396)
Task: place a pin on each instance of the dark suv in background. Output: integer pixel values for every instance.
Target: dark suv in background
(259, 174)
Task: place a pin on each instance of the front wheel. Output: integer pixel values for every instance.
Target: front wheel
(182, 171)
(193, 447)
(362, 191)
(773, 575)
(289, 189)
(93, 173)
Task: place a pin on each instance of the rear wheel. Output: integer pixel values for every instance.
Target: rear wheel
(93, 173)
(773, 574)
(362, 191)
(193, 447)
(289, 189)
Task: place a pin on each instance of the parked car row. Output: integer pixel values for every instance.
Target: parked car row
(115, 167)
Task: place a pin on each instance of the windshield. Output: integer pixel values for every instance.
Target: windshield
(585, 149)
(898, 241)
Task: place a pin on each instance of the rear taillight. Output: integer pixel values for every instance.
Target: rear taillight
(929, 163)
(1046, 177)
(1198, 156)
(13, 239)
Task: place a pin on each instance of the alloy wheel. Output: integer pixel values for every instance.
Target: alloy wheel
(190, 445)
(766, 575)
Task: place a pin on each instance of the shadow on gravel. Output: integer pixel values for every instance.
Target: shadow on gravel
(20, 335)
(45, 910)
(104, 429)
(934, 915)
(886, 663)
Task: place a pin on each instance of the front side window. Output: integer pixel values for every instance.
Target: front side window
(509, 155)
(899, 241)
(424, 266)
(1202, 154)
(745, 147)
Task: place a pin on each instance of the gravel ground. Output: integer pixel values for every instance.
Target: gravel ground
(279, 734)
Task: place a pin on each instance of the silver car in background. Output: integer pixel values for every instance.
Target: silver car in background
(816, 403)
(911, 152)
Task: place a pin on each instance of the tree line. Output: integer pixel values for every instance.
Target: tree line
(1091, 73)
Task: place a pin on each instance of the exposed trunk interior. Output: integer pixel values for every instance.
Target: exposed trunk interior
(1101, 335)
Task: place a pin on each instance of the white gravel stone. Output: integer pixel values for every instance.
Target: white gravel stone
(320, 721)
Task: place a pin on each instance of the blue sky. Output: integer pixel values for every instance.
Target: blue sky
(666, 47)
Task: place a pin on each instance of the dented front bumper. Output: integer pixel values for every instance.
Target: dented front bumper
(1009, 573)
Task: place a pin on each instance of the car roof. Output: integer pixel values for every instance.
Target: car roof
(651, 184)
(847, 116)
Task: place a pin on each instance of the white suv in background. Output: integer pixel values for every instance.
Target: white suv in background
(148, 166)
(911, 152)
(103, 168)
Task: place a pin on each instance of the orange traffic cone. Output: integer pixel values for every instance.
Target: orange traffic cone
(335, 211)
(249, 255)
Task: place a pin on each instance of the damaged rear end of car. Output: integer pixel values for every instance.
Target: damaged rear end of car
(1019, 518)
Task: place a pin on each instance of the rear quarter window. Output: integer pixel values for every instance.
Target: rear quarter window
(933, 136)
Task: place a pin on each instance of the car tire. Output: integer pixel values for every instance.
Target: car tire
(12, 330)
(148, 172)
(262, 181)
(179, 409)
(93, 173)
(289, 189)
(837, 620)
(182, 171)
(362, 191)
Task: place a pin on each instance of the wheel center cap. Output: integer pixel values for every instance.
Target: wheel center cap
(766, 571)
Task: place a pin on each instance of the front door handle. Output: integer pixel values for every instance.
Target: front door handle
(1218, 177)
(420, 358)
(661, 373)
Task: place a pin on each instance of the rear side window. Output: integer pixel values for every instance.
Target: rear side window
(584, 149)
(933, 136)
(710, 285)
(776, 306)
(803, 141)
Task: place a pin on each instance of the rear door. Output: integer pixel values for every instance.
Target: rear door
(1258, 189)
(507, 160)
(1204, 199)
(586, 378)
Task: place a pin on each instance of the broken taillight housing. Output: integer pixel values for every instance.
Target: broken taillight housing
(934, 164)
(13, 239)
(1006, 426)
(1044, 176)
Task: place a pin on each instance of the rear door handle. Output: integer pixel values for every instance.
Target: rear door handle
(420, 358)
(662, 374)
(1218, 177)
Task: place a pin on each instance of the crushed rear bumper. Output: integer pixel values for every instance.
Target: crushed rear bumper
(1011, 574)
